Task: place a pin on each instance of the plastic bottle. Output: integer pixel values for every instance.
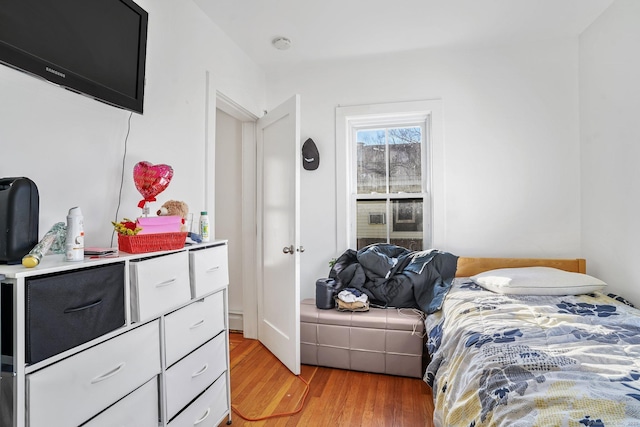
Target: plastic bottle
(36, 254)
(204, 226)
(75, 235)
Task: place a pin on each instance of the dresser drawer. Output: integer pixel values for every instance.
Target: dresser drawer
(193, 325)
(208, 410)
(73, 390)
(159, 284)
(67, 309)
(189, 377)
(138, 409)
(209, 270)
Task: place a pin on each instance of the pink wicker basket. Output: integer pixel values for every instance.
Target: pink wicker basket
(141, 243)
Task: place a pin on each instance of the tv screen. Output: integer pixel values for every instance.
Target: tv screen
(97, 47)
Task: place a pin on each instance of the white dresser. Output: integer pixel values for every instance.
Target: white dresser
(133, 340)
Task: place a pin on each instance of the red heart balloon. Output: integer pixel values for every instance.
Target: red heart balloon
(151, 180)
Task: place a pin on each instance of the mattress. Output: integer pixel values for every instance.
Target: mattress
(521, 360)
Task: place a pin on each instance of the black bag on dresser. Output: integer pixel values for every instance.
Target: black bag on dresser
(326, 290)
(19, 216)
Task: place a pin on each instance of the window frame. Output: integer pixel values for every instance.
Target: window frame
(351, 119)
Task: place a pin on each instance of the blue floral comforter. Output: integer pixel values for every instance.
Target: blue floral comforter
(509, 360)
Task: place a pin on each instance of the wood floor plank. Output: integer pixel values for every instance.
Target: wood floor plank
(371, 410)
(350, 412)
(261, 385)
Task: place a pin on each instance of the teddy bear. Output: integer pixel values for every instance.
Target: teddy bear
(177, 208)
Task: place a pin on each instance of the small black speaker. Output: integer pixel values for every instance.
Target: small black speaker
(326, 290)
(19, 217)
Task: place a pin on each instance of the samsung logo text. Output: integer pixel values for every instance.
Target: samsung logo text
(56, 72)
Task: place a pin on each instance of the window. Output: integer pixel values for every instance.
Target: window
(377, 218)
(385, 188)
(388, 177)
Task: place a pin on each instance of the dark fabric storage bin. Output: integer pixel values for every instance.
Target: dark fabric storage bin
(326, 289)
(68, 309)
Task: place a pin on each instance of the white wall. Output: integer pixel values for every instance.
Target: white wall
(512, 171)
(511, 137)
(72, 146)
(610, 143)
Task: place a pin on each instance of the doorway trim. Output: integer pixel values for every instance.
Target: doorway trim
(249, 211)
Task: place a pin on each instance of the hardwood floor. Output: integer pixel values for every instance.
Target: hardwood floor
(261, 386)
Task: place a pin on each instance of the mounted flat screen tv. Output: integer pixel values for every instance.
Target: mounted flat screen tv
(93, 47)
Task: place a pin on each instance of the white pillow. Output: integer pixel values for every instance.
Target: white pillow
(537, 281)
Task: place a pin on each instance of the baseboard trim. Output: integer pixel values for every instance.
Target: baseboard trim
(236, 322)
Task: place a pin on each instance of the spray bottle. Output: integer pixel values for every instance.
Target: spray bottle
(75, 235)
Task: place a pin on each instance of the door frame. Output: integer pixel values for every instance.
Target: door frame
(249, 208)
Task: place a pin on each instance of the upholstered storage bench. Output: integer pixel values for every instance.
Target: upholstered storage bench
(388, 341)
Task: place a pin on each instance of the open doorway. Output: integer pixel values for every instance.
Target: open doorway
(257, 176)
(235, 208)
(228, 206)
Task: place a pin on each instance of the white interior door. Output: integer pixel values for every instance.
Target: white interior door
(278, 152)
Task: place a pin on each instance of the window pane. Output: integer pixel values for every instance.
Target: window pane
(371, 222)
(372, 169)
(407, 224)
(405, 172)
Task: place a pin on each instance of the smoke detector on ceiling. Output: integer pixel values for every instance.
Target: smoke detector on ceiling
(281, 43)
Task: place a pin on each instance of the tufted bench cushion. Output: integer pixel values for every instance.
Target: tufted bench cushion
(388, 341)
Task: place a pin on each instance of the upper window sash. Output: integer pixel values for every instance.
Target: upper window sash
(357, 125)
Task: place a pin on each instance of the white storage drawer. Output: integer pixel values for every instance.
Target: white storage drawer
(193, 325)
(189, 377)
(75, 389)
(138, 409)
(208, 410)
(158, 285)
(208, 269)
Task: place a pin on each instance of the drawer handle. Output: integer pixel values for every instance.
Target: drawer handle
(109, 374)
(197, 324)
(212, 269)
(84, 307)
(201, 371)
(204, 417)
(165, 283)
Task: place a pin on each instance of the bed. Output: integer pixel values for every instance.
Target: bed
(504, 359)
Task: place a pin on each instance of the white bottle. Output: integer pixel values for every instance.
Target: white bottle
(75, 235)
(204, 226)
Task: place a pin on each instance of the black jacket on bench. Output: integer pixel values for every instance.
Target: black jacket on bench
(393, 276)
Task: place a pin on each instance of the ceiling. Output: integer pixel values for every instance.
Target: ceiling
(333, 29)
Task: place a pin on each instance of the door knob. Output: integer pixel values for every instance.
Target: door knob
(288, 249)
(300, 249)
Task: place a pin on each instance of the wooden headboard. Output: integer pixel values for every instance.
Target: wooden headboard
(470, 266)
